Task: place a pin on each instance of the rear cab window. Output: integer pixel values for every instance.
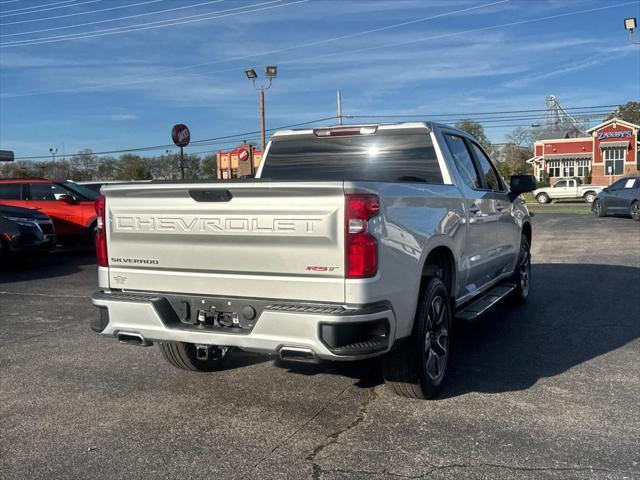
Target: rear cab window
(388, 155)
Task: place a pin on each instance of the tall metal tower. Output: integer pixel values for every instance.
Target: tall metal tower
(558, 117)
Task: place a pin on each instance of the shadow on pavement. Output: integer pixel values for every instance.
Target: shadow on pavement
(574, 314)
(59, 263)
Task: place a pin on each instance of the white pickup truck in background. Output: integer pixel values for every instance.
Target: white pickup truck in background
(568, 188)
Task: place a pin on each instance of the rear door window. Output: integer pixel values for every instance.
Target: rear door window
(464, 162)
(487, 170)
(10, 191)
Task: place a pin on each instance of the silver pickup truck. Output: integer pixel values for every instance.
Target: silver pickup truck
(352, 242)
(568, 188)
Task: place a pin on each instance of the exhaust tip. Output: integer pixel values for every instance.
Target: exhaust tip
(298, 354)
(133, 338)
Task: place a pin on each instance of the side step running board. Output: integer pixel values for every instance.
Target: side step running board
(476, 308)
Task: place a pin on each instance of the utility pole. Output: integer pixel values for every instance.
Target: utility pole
(181, 163)
(262, 126)
(339, 100)
(271, 72)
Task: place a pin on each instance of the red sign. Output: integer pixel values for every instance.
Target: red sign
(243, 155)
(181, 135)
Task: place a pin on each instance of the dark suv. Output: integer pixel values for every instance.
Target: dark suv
(24, 231)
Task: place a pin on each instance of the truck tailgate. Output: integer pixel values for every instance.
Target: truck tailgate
(276, 240)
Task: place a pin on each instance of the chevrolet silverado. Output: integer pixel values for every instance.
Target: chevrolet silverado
(351, 242)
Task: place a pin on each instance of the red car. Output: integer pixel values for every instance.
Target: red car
(69, 205)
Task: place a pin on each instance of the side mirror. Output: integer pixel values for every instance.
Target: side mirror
(605, 189)
(520, 184)
(66, 199)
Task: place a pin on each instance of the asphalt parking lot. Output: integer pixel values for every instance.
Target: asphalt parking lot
(546, 390)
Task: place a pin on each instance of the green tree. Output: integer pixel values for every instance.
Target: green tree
(132, 167)
(629, 112)
(476, 130)
(208, 166)
(83, 165)
(106, 168)
(516, 157)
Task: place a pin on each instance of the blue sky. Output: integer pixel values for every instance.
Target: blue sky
(116, 88)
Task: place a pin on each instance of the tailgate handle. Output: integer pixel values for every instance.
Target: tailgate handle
(211, 195)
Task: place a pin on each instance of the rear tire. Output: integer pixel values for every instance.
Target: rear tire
(417, 367)
(542, 198)
(522, 274)
(598, 208)
(634, 210)
(183, 355)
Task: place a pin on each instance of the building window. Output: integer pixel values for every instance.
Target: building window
(583, 168)
(554, 168)
(614, 161)
(569, 168)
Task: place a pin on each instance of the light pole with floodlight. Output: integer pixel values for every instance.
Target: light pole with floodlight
(53, 152)
(270, 72)
(630, 25)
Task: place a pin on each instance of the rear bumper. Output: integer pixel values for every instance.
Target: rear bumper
(328, 332)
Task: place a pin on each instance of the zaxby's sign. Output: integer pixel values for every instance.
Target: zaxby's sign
(622, 134)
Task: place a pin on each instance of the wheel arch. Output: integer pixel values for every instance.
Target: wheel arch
(439, 262)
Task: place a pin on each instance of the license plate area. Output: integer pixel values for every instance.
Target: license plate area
(228, 315)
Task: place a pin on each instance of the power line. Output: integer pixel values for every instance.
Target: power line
(483, 121)
(194, 143)
(88, 12)
(111, 19)
(153, 25)
(38, 6)
(46, 9)
(462, 114)
(216, 141)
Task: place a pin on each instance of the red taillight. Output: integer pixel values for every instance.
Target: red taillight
(101, 235)
(361, 248)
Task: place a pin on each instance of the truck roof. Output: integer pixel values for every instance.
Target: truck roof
(429, 126)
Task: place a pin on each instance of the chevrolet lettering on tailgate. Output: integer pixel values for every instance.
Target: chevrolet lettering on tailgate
(235, 224)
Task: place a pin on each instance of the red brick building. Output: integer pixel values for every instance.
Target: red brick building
(244, 160)
(609, 153)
